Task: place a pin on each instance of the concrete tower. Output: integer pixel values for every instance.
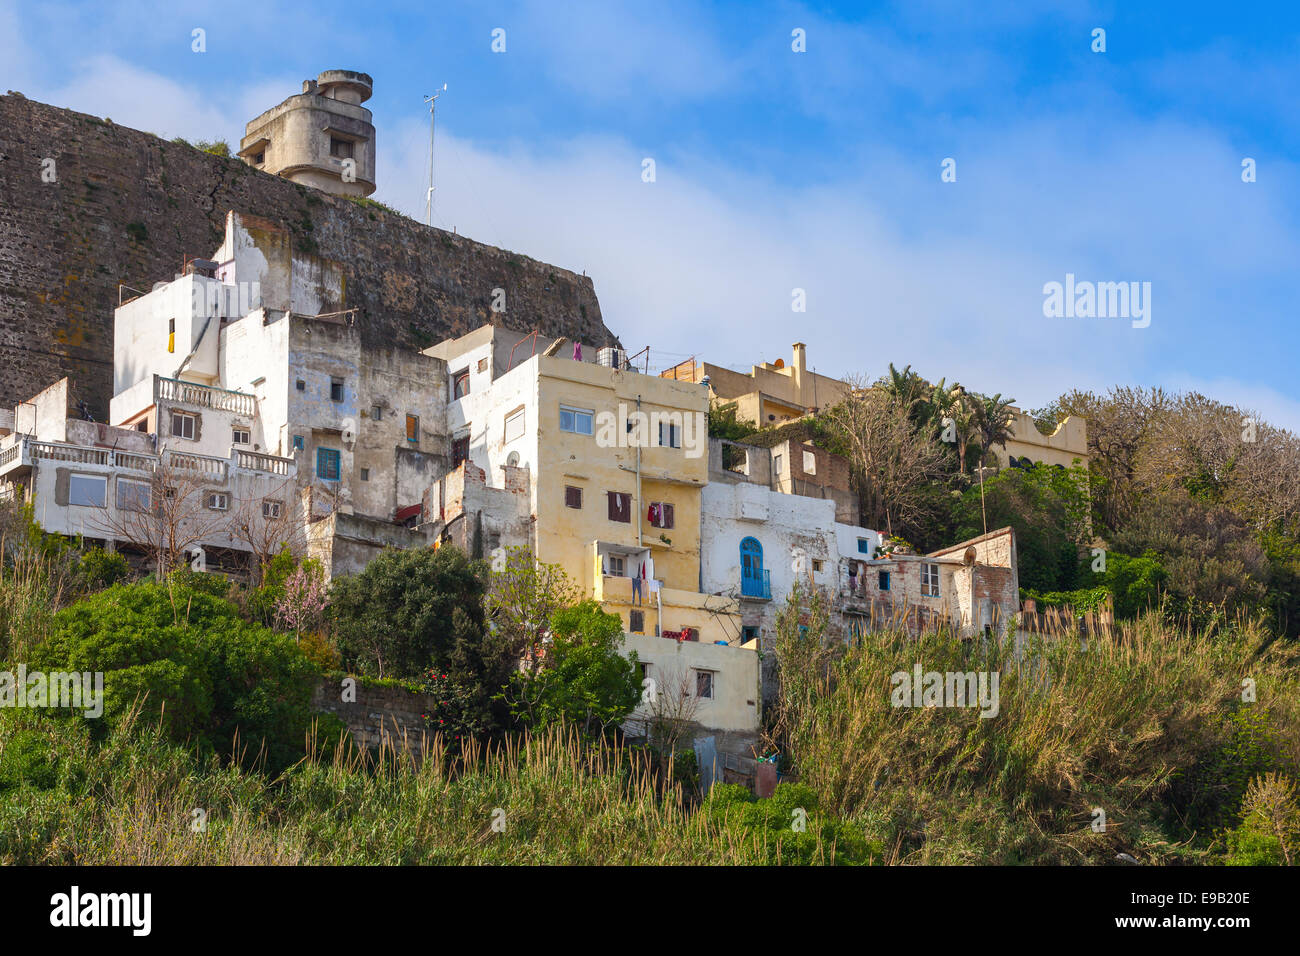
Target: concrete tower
(321, 137)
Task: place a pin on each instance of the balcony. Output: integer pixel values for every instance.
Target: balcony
(271, 464)
(203, 465)
(25, 452)
(203, 396)
(756, 583)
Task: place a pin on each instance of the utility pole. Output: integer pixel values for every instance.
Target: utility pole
(428, 199)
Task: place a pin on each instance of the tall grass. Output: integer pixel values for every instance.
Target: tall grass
(1136, 725)
(559, 799)
(34, 583)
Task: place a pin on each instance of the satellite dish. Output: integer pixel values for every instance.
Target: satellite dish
(779, 363)
(512, 460)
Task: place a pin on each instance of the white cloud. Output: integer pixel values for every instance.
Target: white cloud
(897, 266)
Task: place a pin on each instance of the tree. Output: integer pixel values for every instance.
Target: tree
(268, 524)
(523, 596)
(891, 462)
(908, 390)
(305, 600)
(409, 611)
(1048, 507)
(993, 423)
(956, 416)
(191, 664)
(165, 515)
(669, 707)
(580, 678)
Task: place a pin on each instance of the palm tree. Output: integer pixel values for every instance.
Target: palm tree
(954, 406)
(994, 420)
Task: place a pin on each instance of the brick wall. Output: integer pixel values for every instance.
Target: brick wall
(128, 206)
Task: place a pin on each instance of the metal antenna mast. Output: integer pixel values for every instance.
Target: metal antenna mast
(428, 199)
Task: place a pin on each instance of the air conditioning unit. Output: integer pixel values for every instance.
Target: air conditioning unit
(612, 358)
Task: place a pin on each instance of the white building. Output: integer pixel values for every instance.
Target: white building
(757, 541)
(250, 364)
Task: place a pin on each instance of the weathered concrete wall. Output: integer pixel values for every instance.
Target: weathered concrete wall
(127, 207)
(345, 544)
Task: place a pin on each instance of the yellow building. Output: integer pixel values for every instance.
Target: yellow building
(1067, 445)
(769, 394)
(616, 461)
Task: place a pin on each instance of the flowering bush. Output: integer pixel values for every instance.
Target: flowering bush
(305, 599)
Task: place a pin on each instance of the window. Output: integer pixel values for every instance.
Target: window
(645, 665)
(376, 413)
(336, 389)
(636, 624)
(572, 496)
(748, 633)
(297, 443)
(241, 436)
(660, 514)
(616, 565)
(87, 491)
(670, 435)
(620, 506)
(882, 580)
(132, 495)
(704, 684)
(259, 158)
(341, 148)
(576, 420)
(327, 464)
(809, 463)
(142, 425)
(460, 384)
(817, 566)
(218, 500)
(413, 428)
(183, 425)
(300, 385)
(271, 509)
(776, 464)
(864, 546)
(459, 450)
(514, 425)
(930, 580)
(365, 474)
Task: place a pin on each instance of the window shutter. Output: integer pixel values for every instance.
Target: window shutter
(665, 516)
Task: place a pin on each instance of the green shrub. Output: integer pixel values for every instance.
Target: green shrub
(191, 664)
(27, 760)
(99, 569)
(581, 678)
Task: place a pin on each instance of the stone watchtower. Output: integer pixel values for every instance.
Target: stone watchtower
(321, 137)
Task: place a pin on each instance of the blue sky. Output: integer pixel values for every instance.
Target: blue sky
(819, 170)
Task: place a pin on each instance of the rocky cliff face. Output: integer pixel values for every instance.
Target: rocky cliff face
(116, 205)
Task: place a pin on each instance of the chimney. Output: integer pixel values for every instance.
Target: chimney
(799, 366)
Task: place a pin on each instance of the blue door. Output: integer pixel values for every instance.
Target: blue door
(753, 579)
